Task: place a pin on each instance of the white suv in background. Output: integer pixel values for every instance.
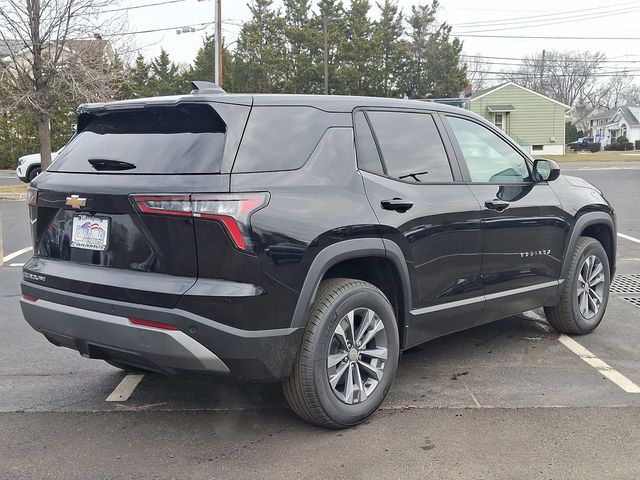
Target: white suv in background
(29, 166)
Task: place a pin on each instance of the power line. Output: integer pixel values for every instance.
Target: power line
(575, 18)
(133, 7)
(544, 37)
(611, 60)
(529, 17)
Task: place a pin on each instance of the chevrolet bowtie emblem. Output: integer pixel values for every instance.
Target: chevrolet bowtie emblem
(74, 201)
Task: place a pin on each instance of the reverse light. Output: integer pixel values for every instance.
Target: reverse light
(231, 210)
(151, 324)
(32, 196)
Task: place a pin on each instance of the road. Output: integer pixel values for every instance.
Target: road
(505, 400)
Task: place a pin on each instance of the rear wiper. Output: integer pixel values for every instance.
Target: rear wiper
(102, 164)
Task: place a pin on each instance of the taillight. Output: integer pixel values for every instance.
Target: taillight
(231, 210)
(32, 196)
(164, 204)
(29, 298)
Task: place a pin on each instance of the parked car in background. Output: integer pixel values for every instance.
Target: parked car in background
(29, 166)
(582, 144)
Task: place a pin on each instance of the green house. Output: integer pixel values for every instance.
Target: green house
(533, 120)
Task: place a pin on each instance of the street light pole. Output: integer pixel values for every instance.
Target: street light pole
(218, 43)
(325, 21)
(325, 27)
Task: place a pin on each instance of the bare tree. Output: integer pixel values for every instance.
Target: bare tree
(477, 72)
(563, 76)
(53, 49)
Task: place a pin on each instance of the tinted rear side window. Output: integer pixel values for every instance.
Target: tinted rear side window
(280, 138)
(411, 147)
(367, 152)
(187, 138)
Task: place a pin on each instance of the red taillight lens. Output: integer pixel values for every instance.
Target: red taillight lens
(231, 210)
(164, 204)
(29, 298)
(32, 196)
(151, 324)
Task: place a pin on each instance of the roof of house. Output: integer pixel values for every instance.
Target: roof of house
(95, 47)
(481, 93)
(631, 114)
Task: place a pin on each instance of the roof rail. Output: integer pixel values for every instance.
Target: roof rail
(198, 86)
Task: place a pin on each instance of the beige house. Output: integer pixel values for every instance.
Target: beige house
(535, 121)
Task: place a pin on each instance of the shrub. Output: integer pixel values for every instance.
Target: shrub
(621, 140)
(594, 147)
(627, 146)
(637, 144)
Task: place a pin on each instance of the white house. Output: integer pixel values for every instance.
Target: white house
(609, 125)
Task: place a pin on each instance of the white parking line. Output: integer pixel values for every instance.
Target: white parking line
(628, 237)
(616, 377)
(125, 388)
(13, 255)
(16, 264)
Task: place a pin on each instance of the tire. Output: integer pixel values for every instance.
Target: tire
(567, 317)
(33, 173)
(308, 390)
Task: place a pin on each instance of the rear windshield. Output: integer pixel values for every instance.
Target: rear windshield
(187, 138)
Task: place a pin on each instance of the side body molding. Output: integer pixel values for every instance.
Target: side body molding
(583, 221)
(346, 250)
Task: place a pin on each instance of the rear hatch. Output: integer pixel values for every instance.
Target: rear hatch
(95, 213)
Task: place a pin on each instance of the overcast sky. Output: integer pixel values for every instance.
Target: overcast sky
(589, 18)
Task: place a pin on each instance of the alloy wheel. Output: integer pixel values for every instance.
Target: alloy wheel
(357, 355)
(590, 287)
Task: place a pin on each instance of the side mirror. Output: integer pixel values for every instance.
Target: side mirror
(545, 170)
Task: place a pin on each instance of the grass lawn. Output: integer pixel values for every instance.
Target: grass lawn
(22, 188)
(632, 156)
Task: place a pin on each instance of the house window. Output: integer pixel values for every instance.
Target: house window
(537, 148)
(497, 120)
(624, 130)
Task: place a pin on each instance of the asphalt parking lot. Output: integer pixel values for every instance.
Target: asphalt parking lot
(512, 399)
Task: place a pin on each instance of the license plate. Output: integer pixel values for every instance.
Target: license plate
(90, 233)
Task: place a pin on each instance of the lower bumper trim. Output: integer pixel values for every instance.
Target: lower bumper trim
(89, 331)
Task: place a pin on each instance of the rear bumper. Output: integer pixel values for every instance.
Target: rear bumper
(100, 328)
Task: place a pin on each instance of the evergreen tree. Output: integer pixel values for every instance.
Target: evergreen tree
(335, 9)
(432, 67)
(305, 48)
(203, 67)
(355, 51)
(165, 77)
(261, 62)
(389, 50)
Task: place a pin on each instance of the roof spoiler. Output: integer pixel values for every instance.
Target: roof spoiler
(200, 86)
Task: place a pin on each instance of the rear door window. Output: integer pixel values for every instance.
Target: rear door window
(411, 147)
(187, 138)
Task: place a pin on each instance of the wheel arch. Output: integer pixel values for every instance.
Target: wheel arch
(598, 225)
(369, 259)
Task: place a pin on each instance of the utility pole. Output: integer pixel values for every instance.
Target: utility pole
(218, 44)
(325, 26)
(541, 71)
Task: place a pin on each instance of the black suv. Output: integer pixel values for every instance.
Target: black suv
(308, 239)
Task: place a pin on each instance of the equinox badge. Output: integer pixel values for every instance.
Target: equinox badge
(74, 201)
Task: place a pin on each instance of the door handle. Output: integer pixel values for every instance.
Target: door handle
(396, 204)
(498, 205)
